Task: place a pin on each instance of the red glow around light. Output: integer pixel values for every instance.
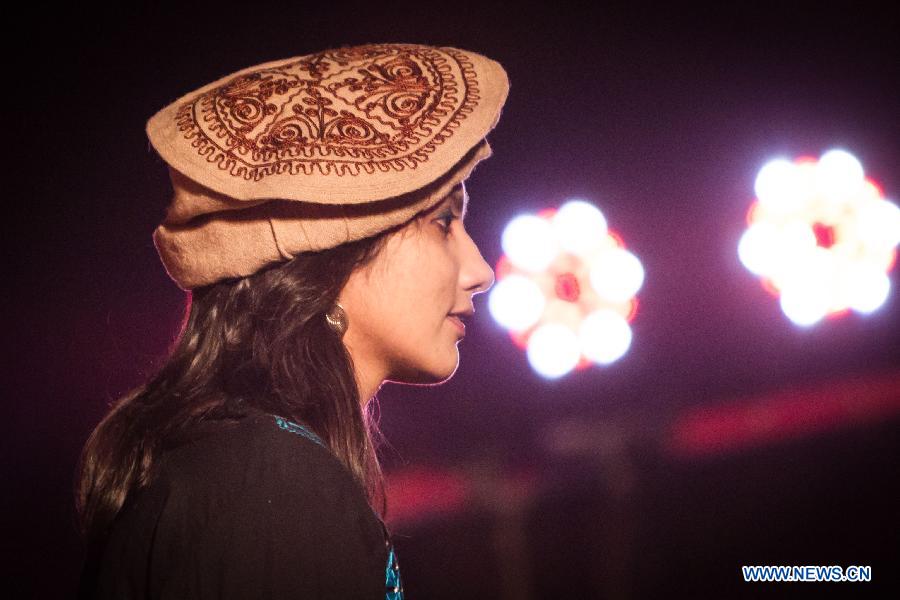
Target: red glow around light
(837, 313)
(770, 287)
(824, 234)
(874, 188)
(504, 266)
(519, 338)
(632, 310)
(567, 287)
(583, 363)
(751, 213)
(616, 238)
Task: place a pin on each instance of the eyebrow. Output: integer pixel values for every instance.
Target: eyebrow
(460, 202)
(457, 201)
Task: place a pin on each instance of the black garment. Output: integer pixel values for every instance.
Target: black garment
(250, 508)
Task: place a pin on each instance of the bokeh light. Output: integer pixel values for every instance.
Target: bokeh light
(530, 243)
(516, 302)
(566, 288)
(617, 275)
(579, 226)
(553, 350)
(821, 237)
(605, 336)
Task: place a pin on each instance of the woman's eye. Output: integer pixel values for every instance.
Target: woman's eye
(446, 220)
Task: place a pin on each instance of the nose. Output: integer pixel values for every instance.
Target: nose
(476, 276)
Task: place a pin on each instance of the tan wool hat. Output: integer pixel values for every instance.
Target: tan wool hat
(307, 153)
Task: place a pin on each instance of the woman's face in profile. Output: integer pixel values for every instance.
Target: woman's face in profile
(399, 306)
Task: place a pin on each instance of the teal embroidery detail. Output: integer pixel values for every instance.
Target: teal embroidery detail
(297, 429)
(392, 583)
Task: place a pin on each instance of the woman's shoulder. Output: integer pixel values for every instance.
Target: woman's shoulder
(261, 467)
(253, 454)
(254, 505)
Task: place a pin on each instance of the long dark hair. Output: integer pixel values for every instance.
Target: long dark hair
(261, 340)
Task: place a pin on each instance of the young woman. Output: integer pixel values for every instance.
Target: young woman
(317, 224)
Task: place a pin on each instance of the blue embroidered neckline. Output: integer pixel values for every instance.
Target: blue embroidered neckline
(393, 582)
(298, 429)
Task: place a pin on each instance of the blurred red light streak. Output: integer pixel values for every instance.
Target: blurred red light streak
(784, 415)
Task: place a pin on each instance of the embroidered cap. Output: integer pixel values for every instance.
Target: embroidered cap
(310, 152)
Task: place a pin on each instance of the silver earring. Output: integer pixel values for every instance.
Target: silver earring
(337, 319)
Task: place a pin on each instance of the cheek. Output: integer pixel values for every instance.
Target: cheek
(423, 288)
(434, 277)
(403, 305)
(423, 272)
(408, 293)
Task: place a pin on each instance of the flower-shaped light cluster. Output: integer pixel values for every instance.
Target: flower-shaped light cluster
(565, 288)
(821, 237)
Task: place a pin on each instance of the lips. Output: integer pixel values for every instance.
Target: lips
(458, 319)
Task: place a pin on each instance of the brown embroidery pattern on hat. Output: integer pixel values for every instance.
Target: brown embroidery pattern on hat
(340, 112)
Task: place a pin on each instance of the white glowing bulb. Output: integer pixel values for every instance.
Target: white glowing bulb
(844, 274)
(868, 290)
(808, 293)
(553, 350)
(605, 336)
(756, 248)
(797, 236)
(516, 302)
(793, 253)
(839, 175)
(779, 187)
(616, 275)
(529, 242)
(579, 227)
(802, 306)
(878, 222)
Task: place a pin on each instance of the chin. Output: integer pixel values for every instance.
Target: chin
(431, 374)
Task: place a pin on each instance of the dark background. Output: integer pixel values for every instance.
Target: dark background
(661, 116)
